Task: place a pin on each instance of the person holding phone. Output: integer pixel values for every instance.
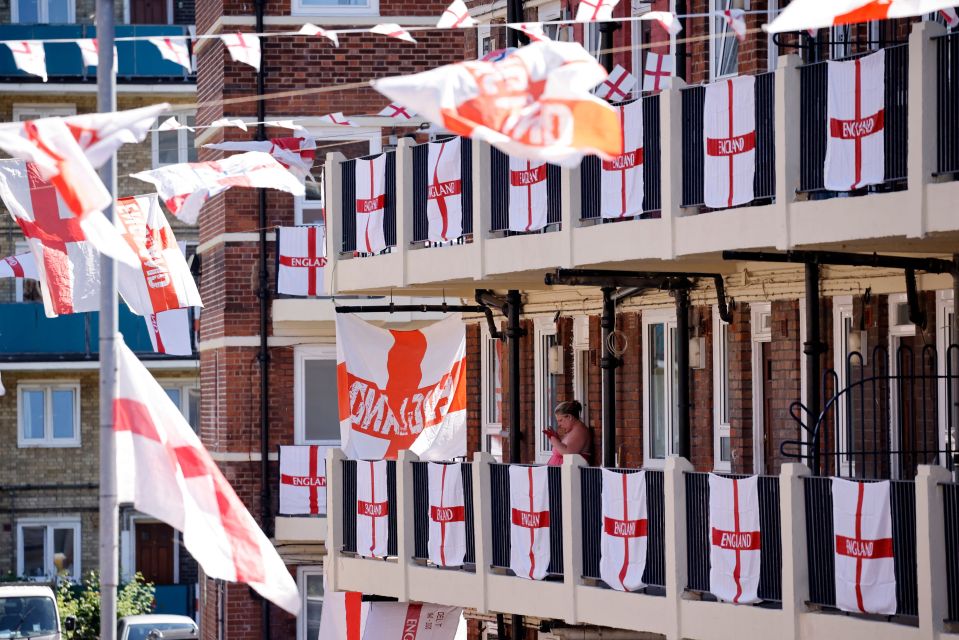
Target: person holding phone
(572, 435)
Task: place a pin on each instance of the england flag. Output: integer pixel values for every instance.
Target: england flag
(19, 266)
(529, 521)
(735, 542)
(624, 530)
(447, 514)
(372, 509)
(370, 176)
(303, 480)
(301, 260)
(528, 195)
(171, 332)
(729, 134)
(444, 190)
(622, 176)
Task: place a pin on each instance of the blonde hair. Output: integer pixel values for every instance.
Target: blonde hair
(569, 408)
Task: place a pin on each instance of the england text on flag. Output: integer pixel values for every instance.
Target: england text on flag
(301, 260)
(447, 514)
(303, 480)
(528, 195)
(20, 266)
(372, 509)
(529, 554)
(412, 621)
(370, 175)
(169, 475)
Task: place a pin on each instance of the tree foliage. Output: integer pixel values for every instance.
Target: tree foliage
(82, 601)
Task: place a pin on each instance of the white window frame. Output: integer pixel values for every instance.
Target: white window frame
(51, 523)
(183, 148)
(760, 333)
(185, 388)
(483, 32)
(666, 317)
(716, 36)
(302, 573)
(46, 110)
(636, 41)
(542, 328)
(580, 360)
(48, 441)
(842, 310)
(19, 247)
(896, 333)
(491, 430)
(721, 382)
(772, 49)
(43, 12)
(371, 8)
(301, 354)
(945, 307)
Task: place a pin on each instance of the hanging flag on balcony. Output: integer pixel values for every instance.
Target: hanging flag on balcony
(624, 530)
(21, 266)
(372, 509)
(444, 190)
(535, 103)
(855, 123)
(175, 50)
(393, 30)
(29, 56)
(815, 14)
(658, 73)
(734, 541)
(370, 175)
(243, 47)
(455, 16)
(447, 515)
(170, 332)
(864, 551)
(528, 195)
(90, 52)
(729, 134)
(595, 10)
(313, 30)
(185, 187)
(950, 17)
(617, 86)
(168, 474)
(296, 154)
(303, 480)
(622, 176)
(402, 389)
(301, 258)
(529, 553)
(412, 621)
(343, 614)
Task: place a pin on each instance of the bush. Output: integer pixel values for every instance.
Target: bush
(82, 601)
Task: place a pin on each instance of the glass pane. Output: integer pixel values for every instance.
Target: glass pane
(657, 389)
(168, 147)
(193, 400)
(174, 394)
(28, 11)
(724, 371)
(314, 604)
(321, 415)
(725, 449)
(190, 139)
(63, 551)
(674, 387)
(33, 539)
(33, 414)
(333, 3)
(496, 381)
(58, 12)
(63, 413)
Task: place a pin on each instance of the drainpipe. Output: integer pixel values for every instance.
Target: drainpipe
(606, 30)
(949, 354)
(813, 347)
(513, 333)
(682, 364)
(609, 363)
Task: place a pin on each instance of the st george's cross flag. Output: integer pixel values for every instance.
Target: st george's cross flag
(393, 30)
(729, 142)
(20, 266)
(815, 14)
(303, 480)
(444, 190)
(171, 332)
(529, 553)
(185, 187)
(401, 389)
(411, 621)
(175, 50)
(534, 104)
(532, 30)
(29, 56)
(343, 615)
(668, 20)
(622, 176)
(301, 260)
(370, 180)
(734, 538)
(864, 551)
(855, 123)
(90, 52)
(658, 73)
(100, 134)
(447, 514)
(624, 530)
(735, 19)
(595, 10)
(456, 16)
(528, 195)
(397, 112)
(168, 474)
(313, 30)
(295, 153)
(950, 17)
(617, 86)
(243, 47)
(372, 509)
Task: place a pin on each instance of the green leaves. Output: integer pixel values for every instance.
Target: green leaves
(82, 601)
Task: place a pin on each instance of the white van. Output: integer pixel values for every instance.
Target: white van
(30, 611)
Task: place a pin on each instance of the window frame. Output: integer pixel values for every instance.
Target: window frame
(184, 388)
(842, 310)
(50, 524)
(183, 134)
(945, 308)
(47, 110)
(43, 12)
(721, 393)
(543, 328)
(490, 430)
(48, 441)
(371, 8)
(895, 332)
(301, 354)
(302, 573)
(758, 336)
(651, 317)
(720, 32)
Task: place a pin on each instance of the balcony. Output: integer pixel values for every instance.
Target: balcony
(797, 574)
(790, 210)
(138, 60)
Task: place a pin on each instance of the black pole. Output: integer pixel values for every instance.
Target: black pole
(513, 333)
(608, 364)
(682, 364)
(514, 15)
(606, 30)
(813, 348)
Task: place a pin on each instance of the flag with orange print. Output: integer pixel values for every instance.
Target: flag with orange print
(534, 104)
(401, 389)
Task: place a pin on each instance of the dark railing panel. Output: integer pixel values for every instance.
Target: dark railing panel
(349, 507)
(554, 197)
(392, 543)
(421, 488)
(348, 203)
(421, 180)
(500, 515)
(950, 494)
(896, 135)
(693, 101)
(947, 103)
(821, 546)
(764, 182)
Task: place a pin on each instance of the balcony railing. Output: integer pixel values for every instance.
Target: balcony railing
(137, 59)
(421, 511)
(950, 494)
(421, 180)
(348, 245)
(501, 519)
(947, 103)
(499, 192)
(349, 507)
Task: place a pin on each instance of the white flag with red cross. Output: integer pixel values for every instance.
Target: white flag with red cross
(734, 541)
(171, 332)
(343, 615)
(243, 47)
(185, 187)
(532, 30)
(398, 112)
(729, 135)
(950, 17)
(313, 30)
(855, 123)
(303, 480)
(444, 190)
(90, 52)
(529, 553)
(595, 10)
(372, 509)
(29, 57)
(658, 73)
(295, 153)
(622, 176)
(301, 258)
(338, 119)
(528, 195)
(456, 16)
(735, 19)
(447, 514)
(668, 20)
(411, 621)
(864, 551)
(814, 14)
(401, 389)
(535, 103)
(174, 50)
(393, 30)
(624, 530)
(100, 134)
(617, 86)
(168, 474)
(370, 177)
(20, 266)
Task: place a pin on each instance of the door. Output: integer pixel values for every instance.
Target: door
(154, 551)
(148, 12)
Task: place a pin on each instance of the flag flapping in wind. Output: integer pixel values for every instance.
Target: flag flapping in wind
(534, 104)
(168, 474)
(815, 14)
(21, 266)
(295, 153)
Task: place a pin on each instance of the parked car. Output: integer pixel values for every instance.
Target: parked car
(30, 611)
(139, 627)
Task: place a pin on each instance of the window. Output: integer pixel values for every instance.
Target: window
(187, 398)
(581, 370)
(48, 547)
(48, 415)
(310, 581)
(548, 15)
(174, 147)
(22, 112)
(948, 357)
(310, 209)
(842, 325)
(491, 364)
(25, 289)
(760, 323)
(484, 40)
(43, 11)
(316, 419)
(546, 387)
(660, 377)
(723, 45)
(722, 447)
(335, 7)
(772, 49)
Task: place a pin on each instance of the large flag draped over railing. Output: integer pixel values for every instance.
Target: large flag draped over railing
(800, 15)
